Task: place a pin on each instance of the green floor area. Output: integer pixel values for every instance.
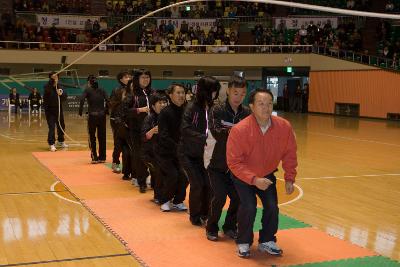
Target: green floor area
(285, 222)
(377, 261)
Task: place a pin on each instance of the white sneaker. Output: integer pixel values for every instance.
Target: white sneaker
(270, 247)
(135, 182)
(53, 148)
(243, 250)
(179, 207)
(166, 207)
(62, 144)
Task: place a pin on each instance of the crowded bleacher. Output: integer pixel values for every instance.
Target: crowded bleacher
(229, 28)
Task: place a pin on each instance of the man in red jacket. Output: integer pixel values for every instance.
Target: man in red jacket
(255, 147)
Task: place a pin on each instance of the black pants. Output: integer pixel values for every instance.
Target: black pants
(52, 123)
(173, 180)
(137, 162)
(222, 186)
(125, 141)
(248, 209)
(117, 143)
(199, 196)
(155, 175)
(97, 123)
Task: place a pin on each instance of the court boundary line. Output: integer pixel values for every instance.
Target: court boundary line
(301, 194)
(347, 176)
(352, 139)
(66, 260)
(32, 192)
(52, 187)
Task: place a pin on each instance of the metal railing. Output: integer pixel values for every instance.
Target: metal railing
(381, 62)
(45, 46)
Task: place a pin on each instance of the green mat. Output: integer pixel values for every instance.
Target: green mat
(376, 261)
(285, 222)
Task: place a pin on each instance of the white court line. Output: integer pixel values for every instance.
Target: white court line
(354, 139)
(40, 141)
(59, 196)
(348, 176)
(296, 198)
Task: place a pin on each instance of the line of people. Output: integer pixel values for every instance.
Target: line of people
(164, 136)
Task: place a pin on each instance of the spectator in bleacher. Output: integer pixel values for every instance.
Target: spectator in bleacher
(281, 27)
(170, 27)
(162, 28)
(96, 29)
(88, 25)
(386, 52)
(389, 7)
(184, 27)
(187, 43)
(350, 4)
(81, 37)
(165, 44)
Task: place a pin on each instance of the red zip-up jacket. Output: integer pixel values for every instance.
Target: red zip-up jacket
(250, 153)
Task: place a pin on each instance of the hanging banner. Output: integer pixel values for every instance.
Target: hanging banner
(205, 24)
(293, 23)
(64, 21)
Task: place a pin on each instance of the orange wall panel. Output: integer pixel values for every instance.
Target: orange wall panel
(377, 91)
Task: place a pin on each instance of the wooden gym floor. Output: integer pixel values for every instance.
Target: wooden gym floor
(349, 176)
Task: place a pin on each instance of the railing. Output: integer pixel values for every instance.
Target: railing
(372, 60)
(44, 46)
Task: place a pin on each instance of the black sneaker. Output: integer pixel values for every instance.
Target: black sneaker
(142, 189)
(212, 236)
(231, 234)
(94, 161)
(126, 177)
(196, 222)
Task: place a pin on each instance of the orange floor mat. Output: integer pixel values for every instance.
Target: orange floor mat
(168, 239)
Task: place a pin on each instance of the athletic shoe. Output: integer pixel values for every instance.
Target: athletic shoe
(94, 161)
(155, 201)
(179, 207)
(212, 236)
(243, 250)
(62, 144)
(116, 168)
(166, 207)
(102, 161)
(142, 189)
(270, 247)
(135, 182)
(53, 148)
(231, 233)
(126, 177)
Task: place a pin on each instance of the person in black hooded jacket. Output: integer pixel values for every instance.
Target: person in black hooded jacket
(97, 110)
(136, 106)
(222, 118)
(118, 126)
(158, 101)
(173, 180)
(194, 130)
(52, 102)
